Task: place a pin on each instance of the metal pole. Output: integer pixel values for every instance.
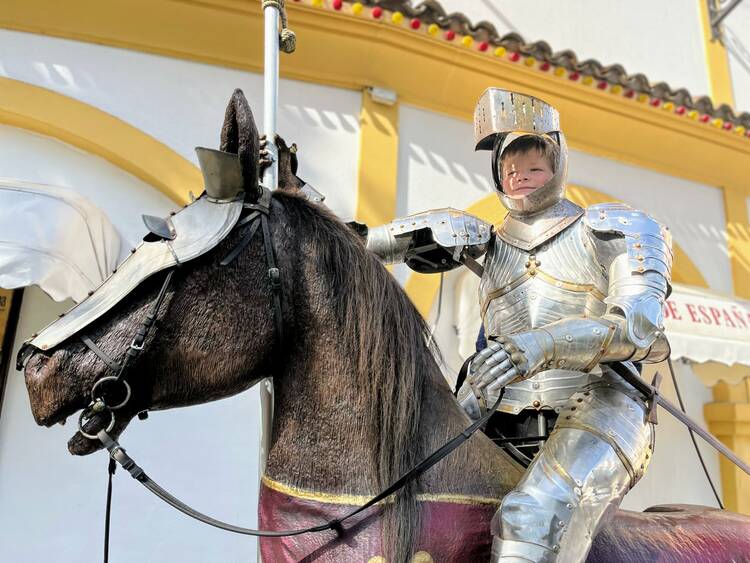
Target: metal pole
(271, 181)
(271, 91)
(724, 13)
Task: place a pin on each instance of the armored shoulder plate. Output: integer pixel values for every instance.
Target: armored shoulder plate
(649, 243)
(433, 241)
(639, 278)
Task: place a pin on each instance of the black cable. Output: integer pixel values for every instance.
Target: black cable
(692, 435)
(112, 466)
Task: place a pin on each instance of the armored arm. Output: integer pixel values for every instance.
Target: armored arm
(433, 241)
(636, 252)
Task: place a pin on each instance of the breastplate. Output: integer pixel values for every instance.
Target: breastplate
(527, 289)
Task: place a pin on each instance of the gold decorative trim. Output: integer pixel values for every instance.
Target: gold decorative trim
(355, 500)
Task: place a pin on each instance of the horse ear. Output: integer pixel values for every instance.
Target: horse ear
(239, 135)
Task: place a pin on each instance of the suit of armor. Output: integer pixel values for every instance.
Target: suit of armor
(563, 291)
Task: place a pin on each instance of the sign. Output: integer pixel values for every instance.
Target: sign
(705, 326)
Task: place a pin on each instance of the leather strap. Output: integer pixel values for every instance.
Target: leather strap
(103, 356)
(118, 453)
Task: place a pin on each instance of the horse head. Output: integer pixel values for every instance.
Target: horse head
(214, 333)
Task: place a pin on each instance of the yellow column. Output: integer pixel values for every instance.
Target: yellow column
(717, 63)
(378, 161)
(728, 418)
(738, 239)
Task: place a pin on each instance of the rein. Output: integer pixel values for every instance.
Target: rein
(257, 219)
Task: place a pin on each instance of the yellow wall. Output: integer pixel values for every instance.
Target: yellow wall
(728, 418)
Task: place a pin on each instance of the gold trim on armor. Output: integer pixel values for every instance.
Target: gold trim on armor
(354, 500)
(611, 328)
(537, 273)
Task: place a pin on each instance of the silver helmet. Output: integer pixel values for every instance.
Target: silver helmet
(500, 118)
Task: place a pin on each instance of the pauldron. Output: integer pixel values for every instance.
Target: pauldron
(433, 241)
(639, 280)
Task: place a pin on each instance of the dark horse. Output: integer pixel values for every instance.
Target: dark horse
(359, 397)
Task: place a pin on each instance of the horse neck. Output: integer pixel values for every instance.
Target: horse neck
(322, 442)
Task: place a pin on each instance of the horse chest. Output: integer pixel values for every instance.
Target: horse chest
(452, 528)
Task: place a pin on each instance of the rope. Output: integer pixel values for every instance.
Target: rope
(287, 38)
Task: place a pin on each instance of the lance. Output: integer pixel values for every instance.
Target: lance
(274, 12)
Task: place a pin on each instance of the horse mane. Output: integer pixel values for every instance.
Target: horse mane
(386, 338)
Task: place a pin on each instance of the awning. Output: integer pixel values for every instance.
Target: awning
(54, 238)
(703, 326)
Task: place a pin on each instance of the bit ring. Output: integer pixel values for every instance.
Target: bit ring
(112, 378)
(93, 436)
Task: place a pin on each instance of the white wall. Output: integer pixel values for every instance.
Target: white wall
(662, 40)
(52, 504)
(182, 103)
(737, 25)
(694, 212)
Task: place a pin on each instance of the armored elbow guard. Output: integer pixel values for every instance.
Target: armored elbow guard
(429, 242)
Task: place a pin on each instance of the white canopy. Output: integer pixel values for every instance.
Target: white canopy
(707, 327)
(54, 238)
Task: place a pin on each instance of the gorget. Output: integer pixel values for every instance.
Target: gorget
(529, 231)
(197, 228)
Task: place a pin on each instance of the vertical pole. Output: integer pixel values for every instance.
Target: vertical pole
(270, 180)
(271, 91)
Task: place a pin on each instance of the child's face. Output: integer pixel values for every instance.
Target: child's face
(525, 172)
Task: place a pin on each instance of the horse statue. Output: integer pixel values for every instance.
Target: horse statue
(359, 396)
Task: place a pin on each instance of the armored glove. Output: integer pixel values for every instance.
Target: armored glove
(509, 358)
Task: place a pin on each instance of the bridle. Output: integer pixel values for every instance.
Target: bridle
(257, 219)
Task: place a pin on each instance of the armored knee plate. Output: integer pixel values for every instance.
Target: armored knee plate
(598, 450)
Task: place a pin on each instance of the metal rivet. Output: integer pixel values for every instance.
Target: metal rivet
(535, 385)
(569, 338)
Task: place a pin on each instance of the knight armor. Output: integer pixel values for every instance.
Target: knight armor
(563, 291)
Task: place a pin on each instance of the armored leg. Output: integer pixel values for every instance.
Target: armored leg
(597, 452)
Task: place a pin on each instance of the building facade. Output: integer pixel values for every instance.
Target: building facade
(108, 101)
